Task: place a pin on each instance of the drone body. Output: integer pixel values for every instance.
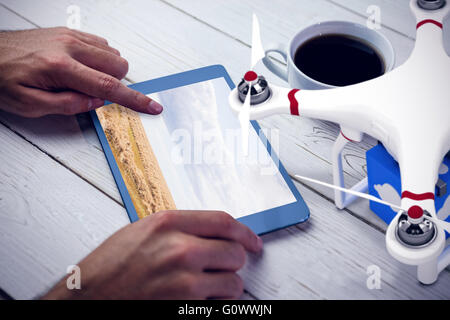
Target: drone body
(408, 110)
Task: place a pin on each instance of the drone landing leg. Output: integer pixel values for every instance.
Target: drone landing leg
(342, 199)
(444, 259)
(427, 273)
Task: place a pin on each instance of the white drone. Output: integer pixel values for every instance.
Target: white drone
(408, 110)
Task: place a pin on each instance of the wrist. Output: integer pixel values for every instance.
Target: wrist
(61, 292)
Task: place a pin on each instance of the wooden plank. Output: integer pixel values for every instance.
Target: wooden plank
(10, 21)
(394, 14)
(49, 218)
(73, 142)
(59, 225)
(299, 138)
(279, 22)
(304, 143)
(286, 256)
(328, 259)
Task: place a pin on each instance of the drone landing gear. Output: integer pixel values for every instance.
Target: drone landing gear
(427, 273)
(342, 199)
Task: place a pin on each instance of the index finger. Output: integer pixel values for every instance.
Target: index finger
(100, 85)
(212, 224)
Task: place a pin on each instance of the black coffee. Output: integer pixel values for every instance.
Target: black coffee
(339, 60)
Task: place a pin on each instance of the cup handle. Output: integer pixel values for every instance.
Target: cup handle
(277, 70)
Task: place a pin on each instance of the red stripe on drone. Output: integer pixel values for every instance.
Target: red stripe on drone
(294, 102)
(421, 23)
(346, 137)
(418, 197)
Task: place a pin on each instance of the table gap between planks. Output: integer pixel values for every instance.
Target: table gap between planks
(58, 199)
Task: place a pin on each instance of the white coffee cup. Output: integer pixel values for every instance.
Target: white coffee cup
(297, 79)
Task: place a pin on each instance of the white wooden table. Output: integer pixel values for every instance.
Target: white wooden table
(58, 199)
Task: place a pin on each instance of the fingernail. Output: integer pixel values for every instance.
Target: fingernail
(259, 243)
(154, 107)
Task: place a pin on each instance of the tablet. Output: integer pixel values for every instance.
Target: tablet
(193, 155)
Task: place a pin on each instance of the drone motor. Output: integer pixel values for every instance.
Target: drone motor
(431, 4)
(260, 88)
(415, 234)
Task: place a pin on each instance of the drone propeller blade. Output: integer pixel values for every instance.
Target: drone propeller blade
(244, 119)
(257, 54)
(443, 224)
(356, 193)
(257, 48)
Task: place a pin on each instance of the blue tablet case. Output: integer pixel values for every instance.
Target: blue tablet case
(261, 222)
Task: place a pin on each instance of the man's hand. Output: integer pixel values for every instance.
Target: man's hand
(169, 255)
(63, 71)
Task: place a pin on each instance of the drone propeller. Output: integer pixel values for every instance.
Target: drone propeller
(257, 47)
(250, 77)
(244, 118)
(443, 224)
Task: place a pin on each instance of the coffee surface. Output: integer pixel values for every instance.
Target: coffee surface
(339, 60)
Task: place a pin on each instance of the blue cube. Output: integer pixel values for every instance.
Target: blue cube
(384, 182)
